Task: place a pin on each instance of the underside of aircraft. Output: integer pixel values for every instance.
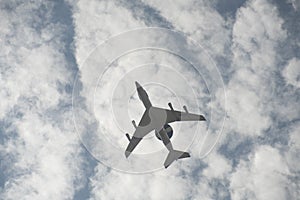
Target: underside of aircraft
(158, 119)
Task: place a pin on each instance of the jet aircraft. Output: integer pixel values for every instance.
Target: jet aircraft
(158, 119)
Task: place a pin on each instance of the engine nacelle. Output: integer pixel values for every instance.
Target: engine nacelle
(169, 130)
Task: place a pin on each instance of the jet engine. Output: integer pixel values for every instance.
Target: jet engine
(169, 130)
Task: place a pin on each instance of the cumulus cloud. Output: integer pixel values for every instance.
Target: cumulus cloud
(175, 183)
(292, 155)
(98, 21)
(40, 153)
(104, 189)
(218, 166)
(256, 33)
(38, 143)
(147, 186)
(263, 176)
(291, 72)
(39, 168)
(198, 19)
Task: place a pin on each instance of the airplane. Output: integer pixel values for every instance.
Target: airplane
(158, 119)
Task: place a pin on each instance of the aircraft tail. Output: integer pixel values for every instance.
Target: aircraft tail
(174, 155)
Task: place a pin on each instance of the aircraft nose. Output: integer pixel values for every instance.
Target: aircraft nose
(137, 84)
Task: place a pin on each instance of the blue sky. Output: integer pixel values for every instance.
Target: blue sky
(255, 46)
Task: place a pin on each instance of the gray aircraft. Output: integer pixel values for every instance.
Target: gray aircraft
(158, 119)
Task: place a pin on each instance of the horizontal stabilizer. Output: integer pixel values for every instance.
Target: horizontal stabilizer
(174, 155)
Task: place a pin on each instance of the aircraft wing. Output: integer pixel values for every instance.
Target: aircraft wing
(173, 115)
(143, 129)
(134, 141)
(138, 135)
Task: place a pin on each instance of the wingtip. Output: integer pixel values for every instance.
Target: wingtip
(137, 84)
(202, 118)
(127, 153)
(166, 165)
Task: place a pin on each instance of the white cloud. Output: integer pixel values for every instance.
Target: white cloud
(39, 143)
(292, 155)
(96, 21)
(263, 176)
(291, 72)
(245, 111)
(256, 34)
(44, 165)
(197, 19)
(218, 166)
(41, 155)
(165, 184)
(90, 73)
